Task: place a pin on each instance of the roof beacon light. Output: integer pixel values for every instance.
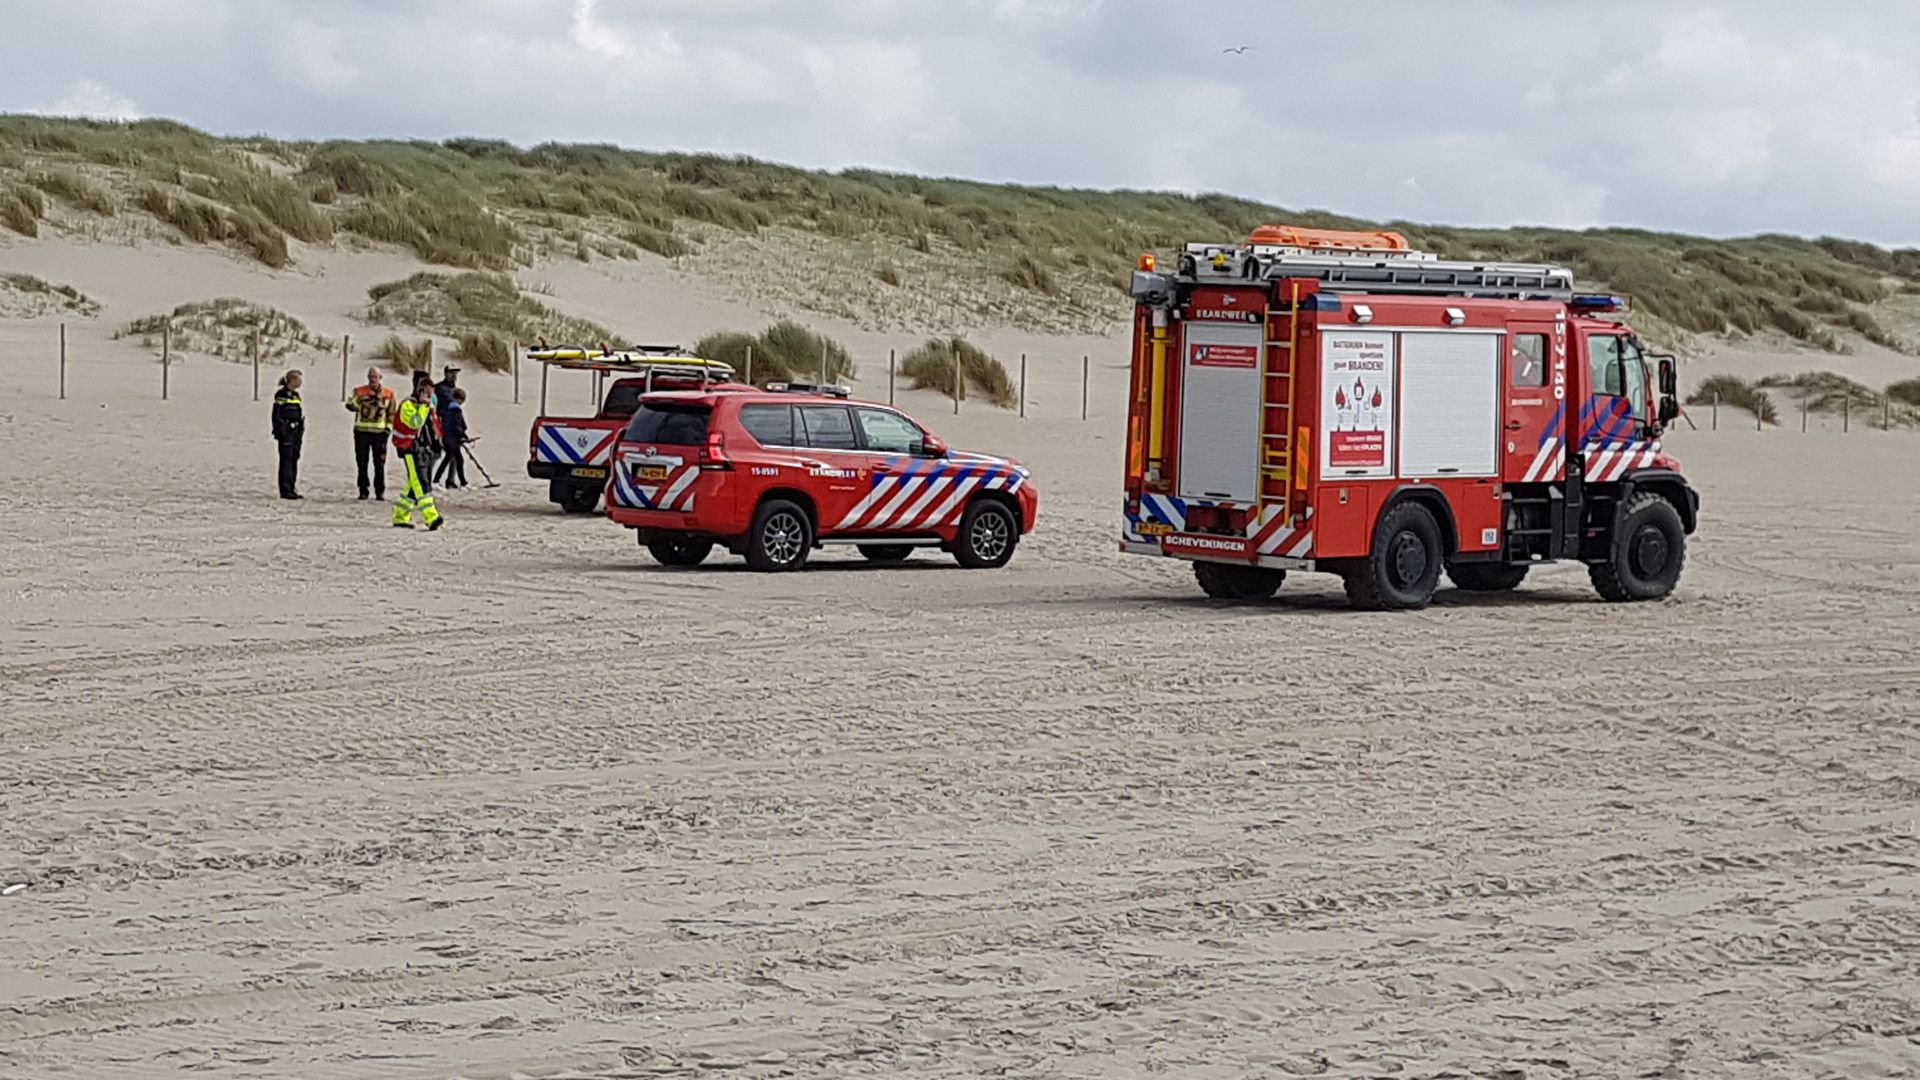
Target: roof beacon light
(1147, 263)
(1599, 302)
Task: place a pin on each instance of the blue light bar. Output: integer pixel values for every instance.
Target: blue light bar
(1598, 302)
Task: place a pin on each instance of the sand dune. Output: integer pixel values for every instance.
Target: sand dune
(294, 795)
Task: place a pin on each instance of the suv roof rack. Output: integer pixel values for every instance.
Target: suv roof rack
(633, 360)
(824, 389)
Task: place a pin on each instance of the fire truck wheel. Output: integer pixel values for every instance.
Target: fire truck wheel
(1225, 582)
(1404, 568)
(1487, 577)
(886, 554)
(780, 538)
(988, 534)
(1648, 553)
(679, 550)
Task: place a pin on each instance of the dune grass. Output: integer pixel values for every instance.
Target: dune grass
(404, 358)
(472, 303)
(202, 221)
(72, 188)
(21, 209)
(658, 241)
(1737, 392)
(1824, 391)
(224, 328)
(486, 204)
(783, 352)
(488, 350)
(25, 296)
(933, 366)
(1906, 391)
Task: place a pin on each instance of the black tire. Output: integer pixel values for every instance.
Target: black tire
(670, 550)
(1648, 553)
(1404, 568)
(1224, 581)
(575, 498)
(1487, 577)
(781, 536)
(886, 554)
(988, 535)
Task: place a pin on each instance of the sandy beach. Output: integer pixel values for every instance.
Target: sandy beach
(294, 795)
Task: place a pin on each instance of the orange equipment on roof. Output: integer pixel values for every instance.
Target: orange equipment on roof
(1342, 239)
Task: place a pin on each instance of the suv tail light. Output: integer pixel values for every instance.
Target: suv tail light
(715, 454)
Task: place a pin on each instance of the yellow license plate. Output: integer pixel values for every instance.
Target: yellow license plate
(653, 472)
(591, 474)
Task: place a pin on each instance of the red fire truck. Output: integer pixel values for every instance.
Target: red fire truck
(1313, 400)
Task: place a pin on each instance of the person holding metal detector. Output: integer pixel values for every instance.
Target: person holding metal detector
(412, 425)
(452, 472)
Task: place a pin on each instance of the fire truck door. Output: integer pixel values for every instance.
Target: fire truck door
(1220, 405)
(1534, 394)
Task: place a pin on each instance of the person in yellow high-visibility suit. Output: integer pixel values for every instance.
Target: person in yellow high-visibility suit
(414, 420)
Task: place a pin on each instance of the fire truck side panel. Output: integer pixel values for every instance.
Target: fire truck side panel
(1449, 411)
(1344, 521)
(1220, 407)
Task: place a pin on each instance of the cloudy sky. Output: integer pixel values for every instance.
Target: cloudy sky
(1717, 116)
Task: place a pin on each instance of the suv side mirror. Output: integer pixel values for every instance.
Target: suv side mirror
(932, 446)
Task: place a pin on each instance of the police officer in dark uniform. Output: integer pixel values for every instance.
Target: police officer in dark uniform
(289, 430)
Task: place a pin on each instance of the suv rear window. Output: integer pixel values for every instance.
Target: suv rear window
(674, 424)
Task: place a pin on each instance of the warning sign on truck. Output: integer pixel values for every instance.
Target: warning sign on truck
(1233, 356)
(1356, 403)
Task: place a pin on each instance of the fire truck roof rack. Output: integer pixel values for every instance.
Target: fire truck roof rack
(1438, 277)
(1411, 272)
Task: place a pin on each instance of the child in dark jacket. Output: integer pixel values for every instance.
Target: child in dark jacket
(453, 429)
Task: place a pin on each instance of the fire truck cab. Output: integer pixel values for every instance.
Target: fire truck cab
(1329, 401)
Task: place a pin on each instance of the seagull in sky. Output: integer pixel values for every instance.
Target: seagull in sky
(1237, 50)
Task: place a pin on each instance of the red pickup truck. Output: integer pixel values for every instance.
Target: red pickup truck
(572, 453)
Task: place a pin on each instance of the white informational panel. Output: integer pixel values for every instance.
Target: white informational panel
(1356, 404)
(1449, 404)
(1220, 404)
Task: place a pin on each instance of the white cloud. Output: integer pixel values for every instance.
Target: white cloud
(93, 100)
(1698, 115)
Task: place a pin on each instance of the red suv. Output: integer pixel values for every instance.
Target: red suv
(773, 475)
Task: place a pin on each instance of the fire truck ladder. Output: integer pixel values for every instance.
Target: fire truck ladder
(1277, 404)
(1380, 272)
(1438, 277)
